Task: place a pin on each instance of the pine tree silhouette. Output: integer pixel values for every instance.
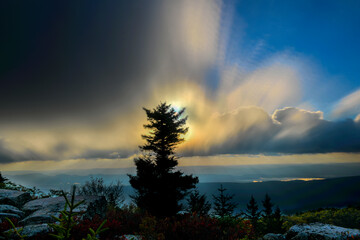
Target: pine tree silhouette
(159, 187)
(198, 204)
(253, 213)
(268, 218)
(223, 204)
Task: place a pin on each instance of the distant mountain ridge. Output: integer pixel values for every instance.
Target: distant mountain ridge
(294, 196)
(290, 196)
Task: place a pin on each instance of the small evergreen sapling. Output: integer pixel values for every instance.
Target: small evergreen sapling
(93, 235)
(66, 219)
(14, 231)
(223, 203)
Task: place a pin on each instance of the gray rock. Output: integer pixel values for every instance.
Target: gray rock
(131, 237)
(320, 231)
(29, 231)
(8, 215)
(11, 209)
(41, 210)
(273, 236)
(33, 230)
(13, 197)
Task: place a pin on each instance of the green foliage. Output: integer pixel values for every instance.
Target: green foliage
(114, 192)
(93, 235)
(3, 181)
(253, 214)
(223, 203)
(148, 229)
(272, 221)
(198, 204)
(278, 222)
(159, 187)
(344, 217)
(14, 231)
(66, 219)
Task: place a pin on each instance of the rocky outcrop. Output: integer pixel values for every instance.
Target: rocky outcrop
(274, 236)
(30, 231)
(315, 231)
(11, 209)
(131, 237)
(36, 229)
(320, 231)
(41, 210)
(3, 216)
(13, 197)
(35, 215)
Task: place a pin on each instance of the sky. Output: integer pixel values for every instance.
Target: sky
(263, 82)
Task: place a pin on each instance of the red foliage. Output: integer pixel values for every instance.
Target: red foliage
(119, 222)
(5, 225)
(188, 226)
(203, 227)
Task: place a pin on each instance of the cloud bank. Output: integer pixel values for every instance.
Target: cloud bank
(74, 86)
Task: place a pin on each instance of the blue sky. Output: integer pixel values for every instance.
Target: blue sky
(324, 32)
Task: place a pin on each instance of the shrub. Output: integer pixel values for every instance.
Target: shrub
(114, 192)
(345, 217)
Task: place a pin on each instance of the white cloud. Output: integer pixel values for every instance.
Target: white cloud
(296, 122)
(347, 106)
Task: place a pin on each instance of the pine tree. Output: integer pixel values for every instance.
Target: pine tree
(253, 213)
(2, 181)
(268, 218)
(223, 203)
(159, 187)
(197, 203)
(278, 222)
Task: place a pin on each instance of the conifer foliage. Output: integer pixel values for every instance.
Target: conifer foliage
(268, 217)
(198, 204)
(159, 187)
(223, 203)
(253, 213)
(272, 220)
(2, 181)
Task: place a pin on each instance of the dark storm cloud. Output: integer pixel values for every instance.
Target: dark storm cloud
(72, 58)
(9, 156)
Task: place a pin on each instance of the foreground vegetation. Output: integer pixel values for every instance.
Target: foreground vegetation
(197, 222)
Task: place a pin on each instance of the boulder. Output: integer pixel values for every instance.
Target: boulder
(8, 215)
(41, 210)
(320, 231)
(131, 237)
(29, 231)
(13, 197)
(36, 229)
(273, 236)
(11, 209)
